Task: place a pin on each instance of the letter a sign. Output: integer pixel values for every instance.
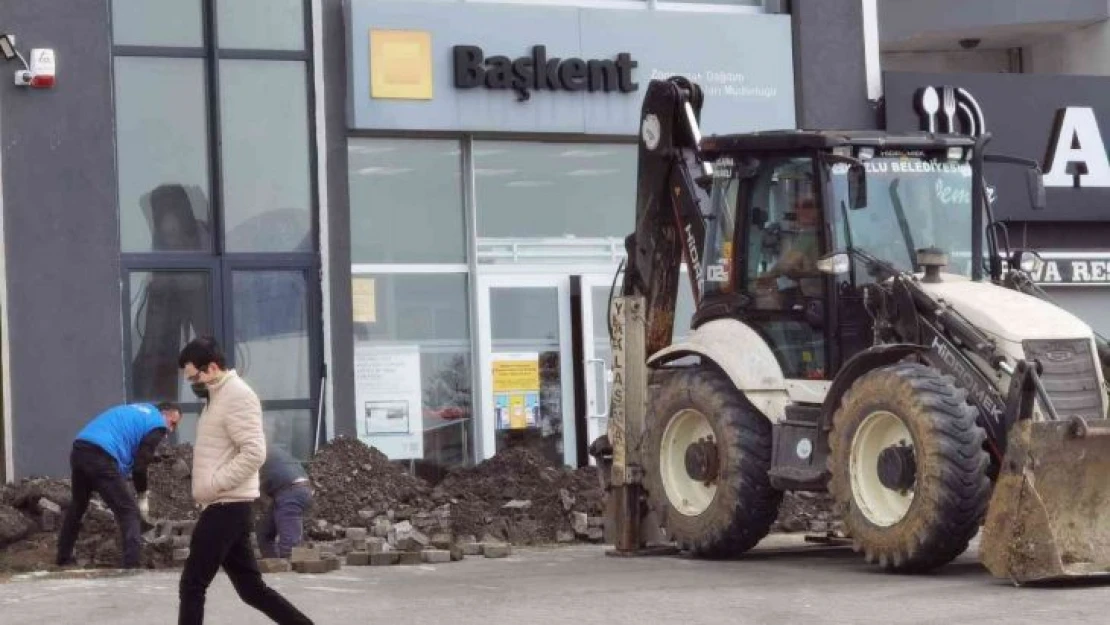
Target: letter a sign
(1076, 153)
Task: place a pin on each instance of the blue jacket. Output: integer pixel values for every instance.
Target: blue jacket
(120, 430)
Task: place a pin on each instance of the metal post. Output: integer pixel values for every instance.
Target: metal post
(626, 419)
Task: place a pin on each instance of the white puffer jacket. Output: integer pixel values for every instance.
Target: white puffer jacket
(230, 446)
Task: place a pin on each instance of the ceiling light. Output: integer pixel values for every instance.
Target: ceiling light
(384, 171)
(580, 153)
(524, 184)
(592, 172)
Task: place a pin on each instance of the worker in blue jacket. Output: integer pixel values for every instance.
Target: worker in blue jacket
(117, 443)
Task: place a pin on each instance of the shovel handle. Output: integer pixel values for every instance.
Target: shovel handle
(1080, 429)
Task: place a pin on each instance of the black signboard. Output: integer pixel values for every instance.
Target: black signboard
(1074, 269)
(1057, 120)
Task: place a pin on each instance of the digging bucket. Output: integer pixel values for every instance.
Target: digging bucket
(1049, 516)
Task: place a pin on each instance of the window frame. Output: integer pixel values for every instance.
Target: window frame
(217, 261)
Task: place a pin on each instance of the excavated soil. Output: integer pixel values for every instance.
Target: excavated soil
(520, 497)
(517, 496)
(350, 477)
(807, 512)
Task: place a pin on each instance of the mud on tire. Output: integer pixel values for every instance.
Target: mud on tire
(745, 505)
(951, 486)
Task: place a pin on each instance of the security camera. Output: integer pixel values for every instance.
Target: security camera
(968, 44)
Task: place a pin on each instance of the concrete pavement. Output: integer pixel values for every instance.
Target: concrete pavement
(778, 583)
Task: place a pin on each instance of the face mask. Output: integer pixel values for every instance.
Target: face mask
(200, 389)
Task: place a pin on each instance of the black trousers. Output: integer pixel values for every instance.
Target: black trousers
(92, 469)
(221, 538)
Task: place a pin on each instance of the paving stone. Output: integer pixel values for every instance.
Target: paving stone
(384, 559)
(304, 554)
(375, 544)
(496, 550)
(472, 548)
(457, 553)
(274, 565)
(436, 556)
(356, 533)
(180, 555)
(358, 558)
(314, 567)
(411, 557)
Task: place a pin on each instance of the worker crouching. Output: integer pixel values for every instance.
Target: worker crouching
(285, 484)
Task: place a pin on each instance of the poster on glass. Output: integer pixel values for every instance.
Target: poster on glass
(388, 399)
(516, 390)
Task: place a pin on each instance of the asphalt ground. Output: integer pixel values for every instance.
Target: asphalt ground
(784, 580)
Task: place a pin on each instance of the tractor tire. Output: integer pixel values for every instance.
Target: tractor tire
(733, 514)
(920, 509)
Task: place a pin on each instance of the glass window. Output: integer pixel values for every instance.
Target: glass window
(261, 24)
(912, 203)
(157, 23)
(291, 430)
(162, 143)
(270, 312)
(785, 240)
(168, 309)
(412, 346)
(406, 201)
(779, 198)
(265, 152)
(554, 190)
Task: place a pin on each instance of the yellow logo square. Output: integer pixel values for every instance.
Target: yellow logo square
(401, 64)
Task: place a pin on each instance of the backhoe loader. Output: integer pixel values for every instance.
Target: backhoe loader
(862, 327)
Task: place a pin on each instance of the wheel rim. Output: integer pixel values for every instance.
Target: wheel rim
(687, 495)
(881, 505)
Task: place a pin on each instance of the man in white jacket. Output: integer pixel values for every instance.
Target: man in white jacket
(230, 447)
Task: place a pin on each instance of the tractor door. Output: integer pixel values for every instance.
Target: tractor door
(782, 237)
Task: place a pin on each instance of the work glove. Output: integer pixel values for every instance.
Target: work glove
(144, 507)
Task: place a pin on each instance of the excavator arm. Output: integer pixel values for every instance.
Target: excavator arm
(671, 205)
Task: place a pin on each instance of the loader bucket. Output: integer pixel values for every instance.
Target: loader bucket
(1049, 516)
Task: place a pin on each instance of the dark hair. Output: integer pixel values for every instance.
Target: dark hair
(202, 351)
(168, 406)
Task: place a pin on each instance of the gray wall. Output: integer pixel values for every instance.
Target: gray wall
(341, 367)
(906, 19)
(60, 232)
(830, 77)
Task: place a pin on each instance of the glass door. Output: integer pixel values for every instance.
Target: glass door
(597, 355)
(526, 368)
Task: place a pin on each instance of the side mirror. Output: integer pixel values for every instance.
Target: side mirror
(857, 186)
(1035, 182)
(835, 264)
(1028, 261)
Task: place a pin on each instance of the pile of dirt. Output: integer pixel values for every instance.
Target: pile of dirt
(169, 482)
(350, 478)
(31, 512)
(520, 497)
(807, 512)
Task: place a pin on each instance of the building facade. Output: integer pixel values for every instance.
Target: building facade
(1038, 77)
(402, 219)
